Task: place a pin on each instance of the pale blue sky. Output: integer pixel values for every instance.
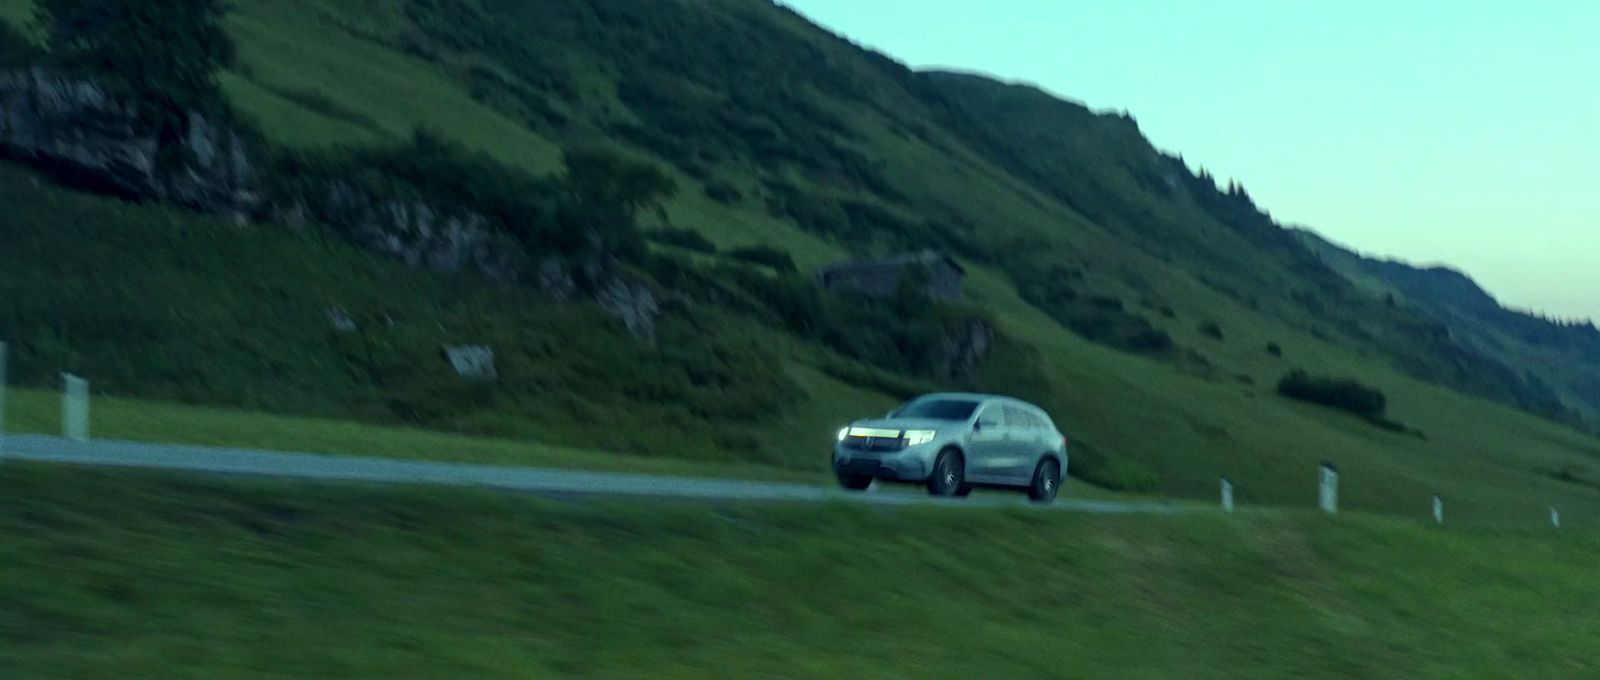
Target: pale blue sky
(1461, 132)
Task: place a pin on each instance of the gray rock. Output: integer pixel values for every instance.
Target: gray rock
(473, 362)
(556, 281)
(340, 320)
(635, 304)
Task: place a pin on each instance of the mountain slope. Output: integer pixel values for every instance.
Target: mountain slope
(1142, 317)
(1564, 355)
(1103, 167)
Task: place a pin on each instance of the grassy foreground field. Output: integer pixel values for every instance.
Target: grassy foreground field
(119, 575)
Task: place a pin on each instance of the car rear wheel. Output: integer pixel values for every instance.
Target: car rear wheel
(855, 482)
(949, 474)
(1046, 481)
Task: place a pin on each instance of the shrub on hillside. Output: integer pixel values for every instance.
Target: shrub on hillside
(533, 105)
(165, 54)
(779, 260)
(723, 192)
(316, 101)
(1104, 321)
(906, 333)
(851, 219)
(1211, 330)
(15, 48)
(588, 211)
(682, 237)
(1336, 393)
(795, 301)
(1101, 319)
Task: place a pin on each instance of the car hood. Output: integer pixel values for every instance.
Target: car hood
(909, 424)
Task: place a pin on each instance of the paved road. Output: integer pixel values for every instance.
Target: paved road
(203, 459)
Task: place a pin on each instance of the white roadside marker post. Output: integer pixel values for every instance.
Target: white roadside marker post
(1227, 495)
(1438, 510)
(1328, 488)
(1555, 518)
(74, 408)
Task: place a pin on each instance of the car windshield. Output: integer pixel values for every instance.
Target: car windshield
(937, 409)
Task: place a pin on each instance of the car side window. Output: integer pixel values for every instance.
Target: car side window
(1017, 419)
(992, 416)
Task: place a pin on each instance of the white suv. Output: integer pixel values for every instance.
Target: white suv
(953, 443)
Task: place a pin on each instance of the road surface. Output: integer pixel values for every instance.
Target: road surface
(205, 459)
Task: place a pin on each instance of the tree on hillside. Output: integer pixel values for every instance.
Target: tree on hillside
(602, 194)
(15, 48)
(1338, 393)
(163, 53)
(599, 179)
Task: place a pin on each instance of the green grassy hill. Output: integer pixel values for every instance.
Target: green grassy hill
(1139, 299)
(224, 580)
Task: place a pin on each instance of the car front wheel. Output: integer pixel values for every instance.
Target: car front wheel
(1046, 481)
(949, 474)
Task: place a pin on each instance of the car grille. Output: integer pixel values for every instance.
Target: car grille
(861, 466)
(876, 444)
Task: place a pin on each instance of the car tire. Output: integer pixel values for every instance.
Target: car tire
(855, 482)
(964, 491)
(1046, 481)
(949, 474)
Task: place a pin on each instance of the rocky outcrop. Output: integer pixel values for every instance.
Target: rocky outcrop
(632, 302)
(412, 232)
(78, 131)
(82, 134)
(421, 235)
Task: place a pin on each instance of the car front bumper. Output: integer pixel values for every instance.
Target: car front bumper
(910, 465)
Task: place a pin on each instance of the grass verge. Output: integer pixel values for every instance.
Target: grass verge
(39, 412)
(126, 575)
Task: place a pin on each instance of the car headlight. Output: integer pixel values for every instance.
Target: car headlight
(843, 432)
(919, 437)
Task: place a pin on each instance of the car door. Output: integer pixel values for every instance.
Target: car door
(988, 446)
(1021, 431)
